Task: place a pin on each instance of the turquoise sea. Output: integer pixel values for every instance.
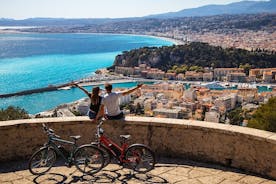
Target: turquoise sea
(30, 61)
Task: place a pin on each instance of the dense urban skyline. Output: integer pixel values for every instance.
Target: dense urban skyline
(18, 9)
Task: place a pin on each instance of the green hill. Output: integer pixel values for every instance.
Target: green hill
(196, 54)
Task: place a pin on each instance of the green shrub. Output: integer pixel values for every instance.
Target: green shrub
(12, 113)
(265, 116)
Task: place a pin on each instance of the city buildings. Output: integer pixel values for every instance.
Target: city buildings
(266, 75)
(170, 100)
(221, 73)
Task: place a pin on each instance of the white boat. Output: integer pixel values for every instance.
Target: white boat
(65, 88)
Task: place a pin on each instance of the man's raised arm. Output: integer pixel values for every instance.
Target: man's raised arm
(131, 90)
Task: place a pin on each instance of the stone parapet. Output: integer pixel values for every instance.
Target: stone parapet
(244, 148)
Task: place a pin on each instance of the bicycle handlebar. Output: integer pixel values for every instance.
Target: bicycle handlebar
(99, 128)
(49, 131)
(100, 123)
(44, 127)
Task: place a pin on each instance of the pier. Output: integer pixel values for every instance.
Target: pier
(38, 90)
(67, 86)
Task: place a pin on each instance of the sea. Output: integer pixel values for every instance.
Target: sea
(29, 61)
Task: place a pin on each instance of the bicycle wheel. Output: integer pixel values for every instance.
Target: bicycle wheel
(140, 158)
(106, 154)
(89, 159)
(42, 161)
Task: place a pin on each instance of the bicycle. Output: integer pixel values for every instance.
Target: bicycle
(138, 157)
(87, 158)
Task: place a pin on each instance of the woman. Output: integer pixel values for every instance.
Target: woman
(95, 99)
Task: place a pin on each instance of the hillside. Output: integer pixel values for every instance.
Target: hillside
(195, 54)
(243, 7)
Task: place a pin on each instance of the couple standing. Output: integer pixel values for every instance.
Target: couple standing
(108, 105)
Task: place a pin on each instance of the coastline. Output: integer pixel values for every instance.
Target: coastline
(173, 40)
(10, 30)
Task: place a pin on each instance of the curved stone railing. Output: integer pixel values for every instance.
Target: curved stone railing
(244, 148)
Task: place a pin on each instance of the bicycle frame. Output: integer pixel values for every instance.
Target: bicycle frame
(107, 143)
(52, 138)
(137, 157)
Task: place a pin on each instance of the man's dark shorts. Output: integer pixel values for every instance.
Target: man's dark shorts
(119, 116)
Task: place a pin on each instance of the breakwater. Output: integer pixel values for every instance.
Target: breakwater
(38, 90)
(65, 86)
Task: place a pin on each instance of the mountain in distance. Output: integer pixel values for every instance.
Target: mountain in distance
(243, 7)
(59, 21)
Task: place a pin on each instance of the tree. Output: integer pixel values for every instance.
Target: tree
(13, 113)
(265, 116)
(246, 68)
(236, 116)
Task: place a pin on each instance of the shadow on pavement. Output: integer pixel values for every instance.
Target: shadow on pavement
(105, 176)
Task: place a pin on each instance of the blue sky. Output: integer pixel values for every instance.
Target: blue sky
(21, 9)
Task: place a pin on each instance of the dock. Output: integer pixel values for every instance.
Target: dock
(37, 90)
(66, 86)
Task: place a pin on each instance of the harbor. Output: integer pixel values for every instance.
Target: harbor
(98, 80)
(94, 80)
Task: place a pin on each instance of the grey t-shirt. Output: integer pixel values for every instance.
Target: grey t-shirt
(111, 103)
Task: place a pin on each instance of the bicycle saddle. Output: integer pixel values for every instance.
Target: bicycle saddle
(125, 136)
(76, 137)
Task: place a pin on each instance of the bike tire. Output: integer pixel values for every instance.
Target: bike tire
(140, 158)
(89, 157)
(106, 153)
(42, 161)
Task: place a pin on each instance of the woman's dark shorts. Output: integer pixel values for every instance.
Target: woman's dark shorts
(91, 114)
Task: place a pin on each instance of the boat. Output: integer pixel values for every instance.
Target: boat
(65, 88)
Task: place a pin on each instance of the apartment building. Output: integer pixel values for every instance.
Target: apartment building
(236, 77)
(263, 74)
(221, 73)
(208, 76)
(193, 76)
(212, 116)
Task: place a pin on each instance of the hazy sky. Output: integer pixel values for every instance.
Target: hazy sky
(20, 9)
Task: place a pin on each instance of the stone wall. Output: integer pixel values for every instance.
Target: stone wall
(249, 149)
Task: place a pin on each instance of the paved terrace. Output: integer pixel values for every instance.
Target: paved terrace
(236, 155)
(167, 170)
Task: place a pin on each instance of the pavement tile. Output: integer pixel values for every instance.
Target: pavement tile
(9, 177)
(180, 171)
(30, 178)
(229, 182)
(160, 170)
(208, 170)
(196, 174)
(23, 181)
(50, 178)
(269, 182)
(24, 173)
(97, 179)
(252, 180)
(189, 181)
(211, 179)
(172, 178)
(149, 178)
(231, 175)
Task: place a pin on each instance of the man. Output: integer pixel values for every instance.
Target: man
(110, 102)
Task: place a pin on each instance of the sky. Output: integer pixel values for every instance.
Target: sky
(22, 9)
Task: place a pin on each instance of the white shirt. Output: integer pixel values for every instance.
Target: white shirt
(111, 103)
